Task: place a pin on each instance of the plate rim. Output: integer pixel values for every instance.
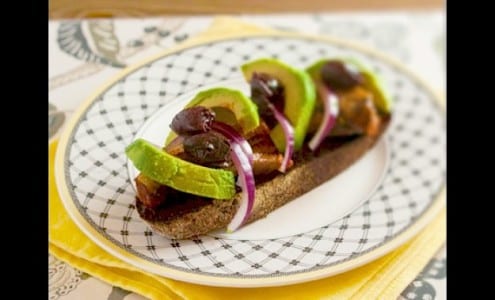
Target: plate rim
(225, 281)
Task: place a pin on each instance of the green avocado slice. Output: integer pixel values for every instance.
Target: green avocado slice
(231, 107)
(179, 174)
(372, 81)
(300, 97)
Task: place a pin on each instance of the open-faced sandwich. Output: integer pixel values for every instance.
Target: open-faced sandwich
(232, 159)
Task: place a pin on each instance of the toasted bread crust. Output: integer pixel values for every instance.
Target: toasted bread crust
(308, 172)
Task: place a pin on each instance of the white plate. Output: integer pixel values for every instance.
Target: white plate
(366, 211)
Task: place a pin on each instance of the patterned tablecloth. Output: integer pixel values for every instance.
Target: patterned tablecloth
(85, 53)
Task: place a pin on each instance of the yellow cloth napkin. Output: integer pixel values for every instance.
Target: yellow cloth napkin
(384, 278)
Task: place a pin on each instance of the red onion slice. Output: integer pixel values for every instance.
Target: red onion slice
(245, 180)
(242, 157)
(331, 105)
(289, 136)
(233, 136)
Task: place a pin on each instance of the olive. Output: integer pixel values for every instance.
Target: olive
(339, 75)
(266, 85)
(205, 148)
(193, 120)
(266, 90)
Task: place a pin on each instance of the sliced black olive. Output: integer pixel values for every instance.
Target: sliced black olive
(266, 89)
(207, 148)
(193, 120)
(339, 75)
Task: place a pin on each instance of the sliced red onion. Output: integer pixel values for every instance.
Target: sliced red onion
(245, 180)
(233, 136)
(242, 157)
(331, 105)
(289, 136)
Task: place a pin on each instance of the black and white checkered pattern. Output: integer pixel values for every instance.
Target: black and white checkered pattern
(96, 169)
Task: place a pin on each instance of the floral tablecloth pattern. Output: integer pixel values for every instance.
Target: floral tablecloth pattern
(85, 53)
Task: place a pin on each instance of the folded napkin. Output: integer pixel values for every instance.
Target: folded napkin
(384, 278)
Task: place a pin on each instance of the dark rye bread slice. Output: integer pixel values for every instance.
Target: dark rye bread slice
(309, 171)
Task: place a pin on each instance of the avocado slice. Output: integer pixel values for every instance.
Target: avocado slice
(373, 82)
(230, 106)
(179, 174)
(300, 97)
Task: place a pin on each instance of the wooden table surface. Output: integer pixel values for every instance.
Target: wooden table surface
(61, 9)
